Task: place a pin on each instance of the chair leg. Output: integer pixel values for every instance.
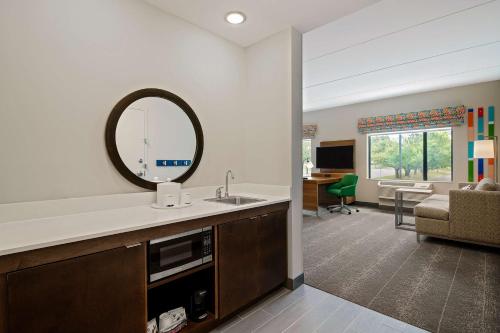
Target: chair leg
(349, 208)
(418, 237)
(334, 208)
(341, 208)
(345, 207)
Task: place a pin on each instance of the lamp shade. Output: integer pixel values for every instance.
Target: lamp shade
(309, 165)
(484, 149)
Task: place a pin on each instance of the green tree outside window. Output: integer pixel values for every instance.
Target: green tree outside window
(401, 155)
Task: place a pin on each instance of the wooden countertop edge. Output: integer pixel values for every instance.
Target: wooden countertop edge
(321, 180)
(32, 258)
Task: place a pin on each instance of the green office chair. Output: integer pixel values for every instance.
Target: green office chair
(345, 188)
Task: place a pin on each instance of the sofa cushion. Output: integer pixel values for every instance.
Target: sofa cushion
(434, 207)
(439, 197)
(486, 184)
(428, 226)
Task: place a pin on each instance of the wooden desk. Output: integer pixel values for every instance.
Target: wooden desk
(315, 192)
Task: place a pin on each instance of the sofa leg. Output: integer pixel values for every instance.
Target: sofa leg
(418, 237)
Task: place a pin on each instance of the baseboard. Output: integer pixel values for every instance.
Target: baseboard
(381, 207)
(366, 204)
(293, 284)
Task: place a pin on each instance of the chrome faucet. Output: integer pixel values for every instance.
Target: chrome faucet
(226, 195)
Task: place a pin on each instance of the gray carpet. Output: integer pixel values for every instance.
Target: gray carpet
(440, 286)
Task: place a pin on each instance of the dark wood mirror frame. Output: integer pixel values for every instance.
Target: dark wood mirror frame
(112, 123)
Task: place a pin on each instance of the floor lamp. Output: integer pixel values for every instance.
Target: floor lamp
(487, 148)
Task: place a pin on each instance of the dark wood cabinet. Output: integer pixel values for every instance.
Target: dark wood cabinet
(252, 259)
(100, 285)
(103, 292)
(238, 264)
(272, 249)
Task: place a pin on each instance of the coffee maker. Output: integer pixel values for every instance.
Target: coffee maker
(198, 307)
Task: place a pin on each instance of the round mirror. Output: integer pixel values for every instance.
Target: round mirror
(154, 136)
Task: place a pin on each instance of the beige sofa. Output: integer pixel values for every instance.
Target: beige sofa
(465, 215)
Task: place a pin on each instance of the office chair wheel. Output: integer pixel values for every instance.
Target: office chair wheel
(349, 213)
(357, 210)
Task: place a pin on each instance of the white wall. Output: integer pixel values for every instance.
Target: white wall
(295, 263)
(341, 123)
(268, 121)
(65, 64)
(274, 129)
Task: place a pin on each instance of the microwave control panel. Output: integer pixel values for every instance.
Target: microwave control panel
(207, 242)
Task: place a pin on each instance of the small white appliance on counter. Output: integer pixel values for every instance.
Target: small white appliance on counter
(168, 194)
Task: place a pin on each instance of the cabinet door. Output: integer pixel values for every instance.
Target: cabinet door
(238, 264)
(272, 249)
(103, 292)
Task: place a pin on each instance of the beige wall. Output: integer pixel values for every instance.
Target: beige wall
(65, 64)
(268, 118)
(340, 123)
(295, 264)
(273, 129)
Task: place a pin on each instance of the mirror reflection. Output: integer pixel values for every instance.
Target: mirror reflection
(156, 139)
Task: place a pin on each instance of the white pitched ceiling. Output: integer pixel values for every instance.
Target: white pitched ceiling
(264, 17)
(398, 47)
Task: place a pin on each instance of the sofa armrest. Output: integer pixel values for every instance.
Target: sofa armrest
(475, 215)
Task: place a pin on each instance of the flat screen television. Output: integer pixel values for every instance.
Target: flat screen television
(340, 157)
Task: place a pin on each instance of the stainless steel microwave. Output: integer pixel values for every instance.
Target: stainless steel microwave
(174, 254)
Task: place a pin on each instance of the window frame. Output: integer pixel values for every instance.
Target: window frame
(424, 153)
(304, 172)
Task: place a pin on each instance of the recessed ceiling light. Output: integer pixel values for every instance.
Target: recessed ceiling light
(235, 17)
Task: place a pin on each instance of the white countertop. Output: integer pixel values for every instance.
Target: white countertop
(19, 235)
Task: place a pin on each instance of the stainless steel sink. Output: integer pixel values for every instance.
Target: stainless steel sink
(235, 200)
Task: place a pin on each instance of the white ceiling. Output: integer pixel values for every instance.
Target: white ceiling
(264, 17)
(398, 47)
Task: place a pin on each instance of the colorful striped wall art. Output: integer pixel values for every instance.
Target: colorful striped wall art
(480, 136)
(470, 144)
(491, 134)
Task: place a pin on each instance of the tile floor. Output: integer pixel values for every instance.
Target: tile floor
(308, 309)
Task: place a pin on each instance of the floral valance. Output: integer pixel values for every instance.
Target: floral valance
(309, 131)
(449, 116)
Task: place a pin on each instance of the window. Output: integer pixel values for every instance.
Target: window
(415, 155)
(306, 154)
(439, 155)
